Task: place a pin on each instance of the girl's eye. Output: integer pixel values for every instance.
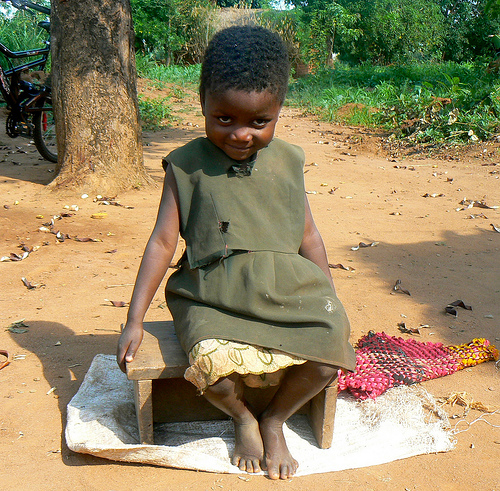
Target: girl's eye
(260, 123)
(224, 119)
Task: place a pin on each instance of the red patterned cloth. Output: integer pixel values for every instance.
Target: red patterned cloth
(384, 361)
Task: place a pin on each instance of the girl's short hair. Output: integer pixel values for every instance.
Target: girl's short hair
(248, 58)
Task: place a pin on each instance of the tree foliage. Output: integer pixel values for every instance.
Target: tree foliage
(375, 31)
(325, 29)
(391, 31)
(468, 27)
(174, 31)
(396, 30)
(249, 4)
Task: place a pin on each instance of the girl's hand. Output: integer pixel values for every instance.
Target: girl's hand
(130, 340)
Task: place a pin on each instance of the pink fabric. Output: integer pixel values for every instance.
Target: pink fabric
(384, 361)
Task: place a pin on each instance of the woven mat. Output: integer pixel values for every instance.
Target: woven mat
(101, 422)
(384, 361)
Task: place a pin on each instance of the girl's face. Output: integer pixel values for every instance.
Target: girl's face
(240, 123)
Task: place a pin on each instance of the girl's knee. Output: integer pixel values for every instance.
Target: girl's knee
(323, 371)
(224, 386)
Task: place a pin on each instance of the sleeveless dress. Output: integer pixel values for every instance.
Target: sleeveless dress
(241, 277)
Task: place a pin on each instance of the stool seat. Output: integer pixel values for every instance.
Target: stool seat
(161, 394)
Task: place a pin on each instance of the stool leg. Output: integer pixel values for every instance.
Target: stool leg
(322, 414)
(143, 398)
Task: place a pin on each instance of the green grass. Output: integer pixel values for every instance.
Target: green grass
(156, 114)
(185, 77)
(21, 33)
(423, 102)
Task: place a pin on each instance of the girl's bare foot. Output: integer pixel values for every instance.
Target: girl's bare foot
(279, 462)
(227, 395)
(249, 449)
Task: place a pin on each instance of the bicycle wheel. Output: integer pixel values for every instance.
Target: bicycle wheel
(44, 133)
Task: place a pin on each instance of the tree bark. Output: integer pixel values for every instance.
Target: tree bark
(95, 97)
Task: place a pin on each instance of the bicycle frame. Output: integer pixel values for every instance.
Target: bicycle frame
(43, 52)
(25, 54)
(5, 87)
(29, 104)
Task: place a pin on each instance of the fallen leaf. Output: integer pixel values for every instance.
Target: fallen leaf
(60, 236)
(398, 288)
(28, 249)
(450, 308)
(18, 327)
(466, 400)
(482, 204)
(411, 330)
(98, 215)
(5, 362)
(86, 239)
(110, 201)
(28, 284)
(340, 266)
(15, 257)
(363, 244)
(495, 228)
(117, 303)
(469, 203)
(473, 216)
(402, 327)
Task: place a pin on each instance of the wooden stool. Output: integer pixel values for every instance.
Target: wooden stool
(162, 394)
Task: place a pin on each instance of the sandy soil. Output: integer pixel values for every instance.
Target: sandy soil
(359, 191)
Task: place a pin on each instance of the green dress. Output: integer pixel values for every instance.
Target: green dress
(241, 277)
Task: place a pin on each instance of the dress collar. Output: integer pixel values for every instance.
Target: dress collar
(235, 167)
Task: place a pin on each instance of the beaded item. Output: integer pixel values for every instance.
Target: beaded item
(384, 361)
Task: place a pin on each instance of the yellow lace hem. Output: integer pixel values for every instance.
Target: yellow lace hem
(212, 359)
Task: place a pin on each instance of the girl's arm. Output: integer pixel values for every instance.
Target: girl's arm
(312, 246)
(157, 257)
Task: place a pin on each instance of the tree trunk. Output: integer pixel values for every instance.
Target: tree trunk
(95, 97)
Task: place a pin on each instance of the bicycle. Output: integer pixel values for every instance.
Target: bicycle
(29, 104)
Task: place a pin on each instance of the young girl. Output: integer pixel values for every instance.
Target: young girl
(253, 300)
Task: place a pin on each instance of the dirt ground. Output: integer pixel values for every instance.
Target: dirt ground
(360, 191)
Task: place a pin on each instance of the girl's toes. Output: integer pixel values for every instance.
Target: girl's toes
(273, 472)
(286, 472)
(253, 466)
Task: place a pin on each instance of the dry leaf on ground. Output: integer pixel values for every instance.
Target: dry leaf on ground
(398, 288)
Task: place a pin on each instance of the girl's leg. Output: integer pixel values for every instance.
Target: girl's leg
(300, 384)
(227, 395)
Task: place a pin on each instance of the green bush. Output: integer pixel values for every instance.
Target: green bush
(156, 114)
(422, 102)
(184, 76)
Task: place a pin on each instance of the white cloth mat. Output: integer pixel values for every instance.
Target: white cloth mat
(102, 422)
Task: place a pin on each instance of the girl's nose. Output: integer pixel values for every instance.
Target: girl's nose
(243, 133)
